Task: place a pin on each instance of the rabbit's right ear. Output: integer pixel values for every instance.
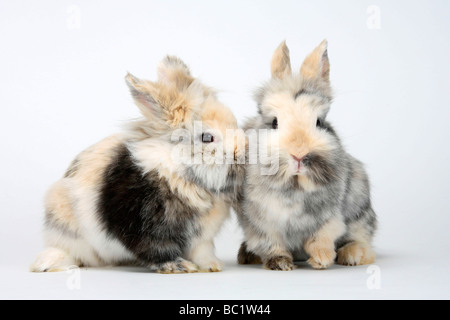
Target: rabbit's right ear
(172, 70)
(281, 62)
(144, 93)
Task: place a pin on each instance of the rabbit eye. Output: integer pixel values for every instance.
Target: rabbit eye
(275, 123)
(207, 138)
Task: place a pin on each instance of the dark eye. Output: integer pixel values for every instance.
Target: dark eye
(319, 123)
(207, 138)
(275, 123)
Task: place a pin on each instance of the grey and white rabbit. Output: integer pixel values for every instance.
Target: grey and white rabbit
(310, 199)
(130, 199)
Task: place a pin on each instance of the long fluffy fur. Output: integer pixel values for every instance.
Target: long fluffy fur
(321, 210)
(126, 200)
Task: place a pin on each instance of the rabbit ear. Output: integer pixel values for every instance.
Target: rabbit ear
(143, 94)
(281, 62)
(317, 66)
(172, 70)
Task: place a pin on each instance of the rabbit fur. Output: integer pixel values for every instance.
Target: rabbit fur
(310, 199)
(127, 200)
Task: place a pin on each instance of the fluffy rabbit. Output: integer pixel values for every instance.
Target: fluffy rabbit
(310, 199)
(135, 198)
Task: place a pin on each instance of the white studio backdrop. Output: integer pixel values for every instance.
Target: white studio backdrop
(62, 68)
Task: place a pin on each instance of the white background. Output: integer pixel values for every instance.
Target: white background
(62, 65)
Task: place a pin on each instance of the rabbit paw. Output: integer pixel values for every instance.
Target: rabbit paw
(177, 266)
(213, 265)
(322, 258)
(53, 260)
(280, 263)
(355, 254)
(247, 257)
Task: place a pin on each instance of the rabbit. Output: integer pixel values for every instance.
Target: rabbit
(310, 199)
(134, 199)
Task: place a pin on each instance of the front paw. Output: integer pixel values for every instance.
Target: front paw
(211, 265)
(355, 254)
(177, 266)
(280, 263)
(322, 258)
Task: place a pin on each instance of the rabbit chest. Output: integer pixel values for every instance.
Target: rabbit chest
(292, 213)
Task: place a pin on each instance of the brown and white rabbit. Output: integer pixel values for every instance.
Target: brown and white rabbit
(312, 199)
(134, 199)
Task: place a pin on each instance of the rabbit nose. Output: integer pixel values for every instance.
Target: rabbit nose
(297, 158)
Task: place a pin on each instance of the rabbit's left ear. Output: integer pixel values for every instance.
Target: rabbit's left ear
(172, 70)
(317, 66)
(281, 62)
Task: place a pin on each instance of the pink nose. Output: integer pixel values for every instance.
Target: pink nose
(297, 158)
